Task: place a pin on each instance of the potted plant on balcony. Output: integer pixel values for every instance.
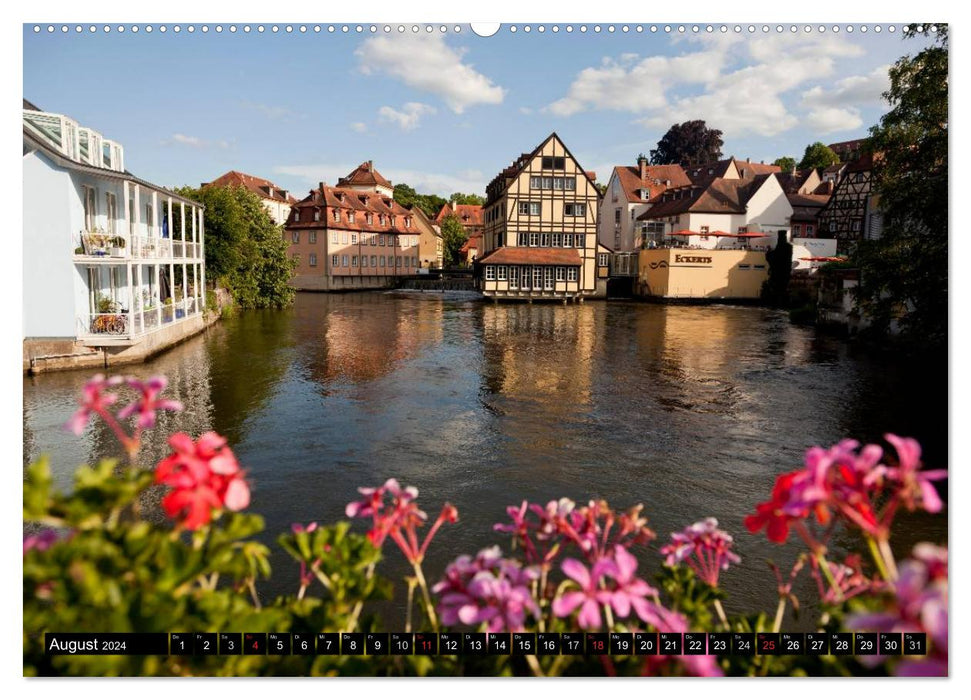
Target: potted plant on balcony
(117, 247)
(107, 319)
(95, 242)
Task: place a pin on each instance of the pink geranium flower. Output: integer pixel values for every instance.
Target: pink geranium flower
(591, 596)
(146, 406)
(703, 547)
(94, 400)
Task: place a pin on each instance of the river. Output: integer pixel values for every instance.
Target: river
(690, 410)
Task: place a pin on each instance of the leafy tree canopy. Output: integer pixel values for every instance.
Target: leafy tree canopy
(818, 155)
(688, 143)
(903, 274)
(245, 251)
(460, 198)
(405, 195)
(786, 163)
(453, 236)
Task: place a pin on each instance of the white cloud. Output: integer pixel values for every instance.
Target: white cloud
(854, 91)
(407, 117)
(825, 120)
(469, 181)
(359, 127)
(194, 142)
(738, 87)
(427, 63)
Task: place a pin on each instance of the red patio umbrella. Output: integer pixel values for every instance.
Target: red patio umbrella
(685, 232)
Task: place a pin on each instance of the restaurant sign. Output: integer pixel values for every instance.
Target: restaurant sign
(696, 259)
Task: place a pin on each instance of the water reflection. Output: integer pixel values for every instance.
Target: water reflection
(690, 410)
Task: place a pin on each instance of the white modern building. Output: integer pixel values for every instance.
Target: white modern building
(110, 261)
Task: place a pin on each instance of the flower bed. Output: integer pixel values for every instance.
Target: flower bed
(93, 562)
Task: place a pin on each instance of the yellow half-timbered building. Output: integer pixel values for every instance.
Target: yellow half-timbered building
(540, 229)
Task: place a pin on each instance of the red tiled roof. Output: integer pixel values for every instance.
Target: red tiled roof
(326, 199)
(719, 196)
(446, 210)
(514, 255)
(474, 241)
(257, 185)
(791, 181)
(657, 176)
(364, 174)
(469, 214)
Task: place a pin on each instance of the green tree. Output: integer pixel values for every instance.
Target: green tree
(903, 274)
(688, 143)
(245, 251)
(786, 163)
(460, 198)
(818, 155)
(406, 196)
(453, 237)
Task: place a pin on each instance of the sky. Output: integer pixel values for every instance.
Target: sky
(445, 112)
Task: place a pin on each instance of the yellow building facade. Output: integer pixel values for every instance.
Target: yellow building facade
(540, 228)
(684, 273)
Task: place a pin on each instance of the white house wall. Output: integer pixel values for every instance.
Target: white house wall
(49, 277)
(769, 207)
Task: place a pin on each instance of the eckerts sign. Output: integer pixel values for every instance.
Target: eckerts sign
(692, 259)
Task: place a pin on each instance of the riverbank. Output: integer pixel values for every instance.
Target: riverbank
(59, 354)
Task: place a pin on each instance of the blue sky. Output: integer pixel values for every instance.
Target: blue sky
(446, 112)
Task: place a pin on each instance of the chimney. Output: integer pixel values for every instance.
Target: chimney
(322, 185)
(642, 166)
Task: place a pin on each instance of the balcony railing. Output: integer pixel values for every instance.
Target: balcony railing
(120, 326)
(139, 248)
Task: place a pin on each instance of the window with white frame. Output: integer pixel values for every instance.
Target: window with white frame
(90, 208)
(381, 219)
(534, 239)
(547, 278)
(522, 238)
(313, 236)
(381, 240)
(557, 240)
(578, 240)
(337, 215)
(344, 261)
(537, 277)
(490, 273)
(571, 274)
(544, 240)
(553, 163)
(407, 222)
(363, 261)
(579, 209)
(335, 261)
(134, 215)
(313, 260)
(529, 209)
(316, 215)
(350, 217)
(111, 210)
(397, 261)
(374, 261)
(369, 218)
(383, 262)
(353, 238)
(295, 236)
(501, 272)
(514, 277)
(567, 240)
(334, 237)
(602, 259)
(560, 274)
(353, 261)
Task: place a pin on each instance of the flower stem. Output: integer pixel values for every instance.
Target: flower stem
(878, 558)
(779, 612)
(429, 608)
(411, 601)
(721, 613)
(534, 665)
(352, 621)
(824, 567)
(888, 558)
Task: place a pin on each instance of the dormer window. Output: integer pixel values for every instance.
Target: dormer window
(369, 217)
(316, 214)
(296, 215)
(381, 219)
(350, 217)
(407, 222)
(337, 215)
